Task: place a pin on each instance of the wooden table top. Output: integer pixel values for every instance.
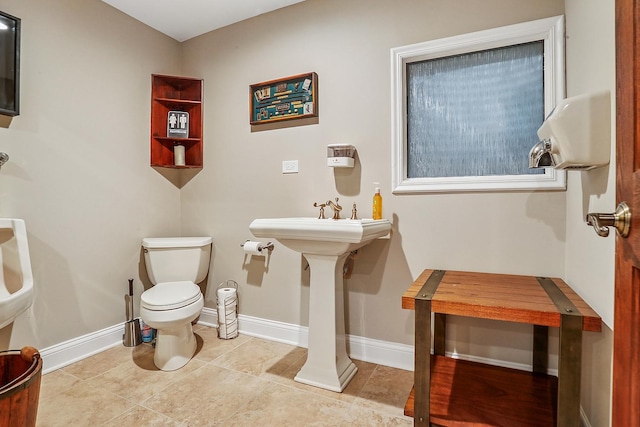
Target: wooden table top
(504, 297)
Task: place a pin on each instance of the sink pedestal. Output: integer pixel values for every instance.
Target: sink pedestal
(325, 243)
(328, 366)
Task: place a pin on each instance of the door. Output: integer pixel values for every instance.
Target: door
(626, 335)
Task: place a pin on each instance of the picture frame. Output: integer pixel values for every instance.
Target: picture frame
(9, 65)
(289, 98)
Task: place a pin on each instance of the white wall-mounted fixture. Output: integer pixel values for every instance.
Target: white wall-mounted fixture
(576, 135)
(341, 155)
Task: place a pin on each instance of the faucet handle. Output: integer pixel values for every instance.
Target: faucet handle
(354, 212)
(321, 206)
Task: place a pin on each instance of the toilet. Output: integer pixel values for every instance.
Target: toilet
(175, 265)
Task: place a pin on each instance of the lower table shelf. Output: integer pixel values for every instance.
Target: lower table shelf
(465, 393)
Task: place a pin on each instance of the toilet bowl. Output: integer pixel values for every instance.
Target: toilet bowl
(175, 265)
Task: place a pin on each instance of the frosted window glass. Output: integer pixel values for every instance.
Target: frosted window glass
(475, 114)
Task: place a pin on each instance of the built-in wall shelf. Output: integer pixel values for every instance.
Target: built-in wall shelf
(178, 95)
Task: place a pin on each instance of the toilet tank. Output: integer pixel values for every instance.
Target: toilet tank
(173, 259)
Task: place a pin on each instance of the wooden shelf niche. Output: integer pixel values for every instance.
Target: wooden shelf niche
(180, 94)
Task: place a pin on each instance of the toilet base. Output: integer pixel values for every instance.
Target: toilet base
(175, 342)
(175, 346)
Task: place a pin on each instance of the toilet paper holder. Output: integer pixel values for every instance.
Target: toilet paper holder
(269, 246)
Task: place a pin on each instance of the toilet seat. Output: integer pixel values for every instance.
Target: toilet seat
(170, 295)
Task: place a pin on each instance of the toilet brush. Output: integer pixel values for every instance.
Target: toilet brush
(132, 336)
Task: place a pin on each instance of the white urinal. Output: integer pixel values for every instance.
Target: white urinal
(16, 279)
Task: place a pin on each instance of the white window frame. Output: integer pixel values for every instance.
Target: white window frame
(548, 30)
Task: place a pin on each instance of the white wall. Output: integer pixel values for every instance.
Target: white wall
(348, 44)
(590, 259)
(79, 170)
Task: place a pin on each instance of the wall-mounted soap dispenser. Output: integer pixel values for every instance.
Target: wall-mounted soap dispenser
(341, 155)
(576, 135)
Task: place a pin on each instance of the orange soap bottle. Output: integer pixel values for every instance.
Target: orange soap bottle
(377, 204)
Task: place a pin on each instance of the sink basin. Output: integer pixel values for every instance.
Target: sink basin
(321, 236)
(16, 279)
(325, 243)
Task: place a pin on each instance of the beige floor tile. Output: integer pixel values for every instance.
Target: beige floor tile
(280, 405)
(386, 391)
(80, 405)
(210, 347)
(284, 373)
(140, 417)
(138, 379)
(245, 382)
(106, 360)
(206, 396)
(256, 356)
(285, 368)
(198, 327)
(53, 382)
(363, 417)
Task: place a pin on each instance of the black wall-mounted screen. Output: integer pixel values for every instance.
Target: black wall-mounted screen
(9, 65)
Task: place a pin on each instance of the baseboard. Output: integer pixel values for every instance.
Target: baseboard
(76, 349)
(361, 348)
(370, 350)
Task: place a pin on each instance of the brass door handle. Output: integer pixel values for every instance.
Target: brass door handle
(620, 219)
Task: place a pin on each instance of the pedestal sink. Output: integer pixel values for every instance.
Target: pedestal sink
(325, 243)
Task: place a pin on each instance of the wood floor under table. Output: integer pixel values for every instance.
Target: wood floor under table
(465, 393)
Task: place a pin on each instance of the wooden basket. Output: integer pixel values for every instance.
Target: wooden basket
(20, 375)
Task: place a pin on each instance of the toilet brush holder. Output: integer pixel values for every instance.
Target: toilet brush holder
(132, 335)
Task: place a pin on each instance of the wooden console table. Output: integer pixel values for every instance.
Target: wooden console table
(452, 392)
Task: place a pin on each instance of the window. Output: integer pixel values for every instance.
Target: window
(466, 109)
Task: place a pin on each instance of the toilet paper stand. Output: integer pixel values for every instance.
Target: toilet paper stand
(227, 306)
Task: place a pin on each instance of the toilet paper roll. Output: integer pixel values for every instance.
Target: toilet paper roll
(253, 248)
(178, 155)
(227, 313)
(227, 296)
(228, 331)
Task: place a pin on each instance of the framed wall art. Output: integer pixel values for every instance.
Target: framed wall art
(294, 97)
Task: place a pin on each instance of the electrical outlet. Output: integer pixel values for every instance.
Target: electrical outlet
(289, 166)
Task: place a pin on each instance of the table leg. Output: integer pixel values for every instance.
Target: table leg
(422, 363)
(569, 357)
(569, 368)
(439, 333)
(540, 349)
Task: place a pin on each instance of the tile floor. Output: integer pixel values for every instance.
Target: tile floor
(241, 382)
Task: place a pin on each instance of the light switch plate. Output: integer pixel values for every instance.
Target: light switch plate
(289, 166)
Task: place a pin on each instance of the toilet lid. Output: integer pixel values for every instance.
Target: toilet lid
(170, 295)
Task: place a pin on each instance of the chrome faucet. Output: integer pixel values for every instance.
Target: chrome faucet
(336, 208)
(540, 155)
